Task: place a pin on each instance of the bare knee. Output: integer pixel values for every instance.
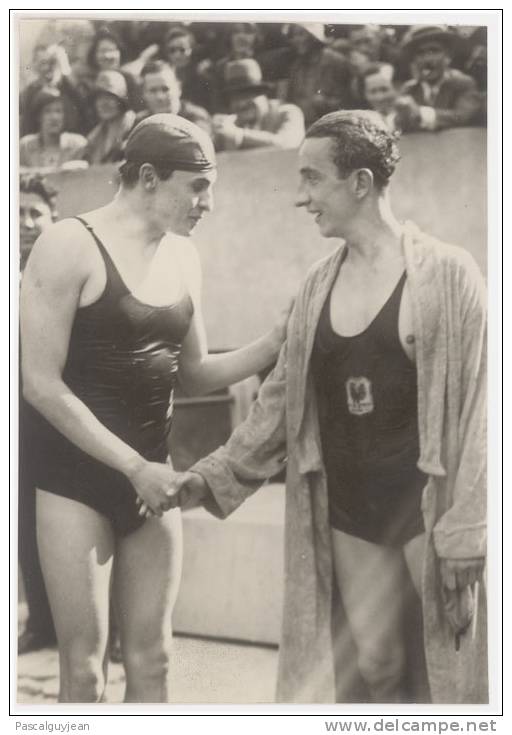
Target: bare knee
(383, 670)
(150, 661)
(83, 677)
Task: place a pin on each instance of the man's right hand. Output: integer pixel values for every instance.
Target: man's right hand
(154, 483)
(190, 489)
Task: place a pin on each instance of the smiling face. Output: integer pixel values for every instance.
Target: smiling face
(380, 92)
(329, 198)
(431, 59)
(107, 106)
(35, 216)
(51, 119)
(108, 55)
(180, 202)
(178, 51)
(161, 92)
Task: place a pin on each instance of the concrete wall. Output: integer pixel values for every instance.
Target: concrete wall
(256, 247)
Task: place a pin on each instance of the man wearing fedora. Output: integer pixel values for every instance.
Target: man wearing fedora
(255, 120)
(320, 78)
(439, 96)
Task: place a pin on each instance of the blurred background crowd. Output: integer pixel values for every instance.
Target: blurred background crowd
(87, 82)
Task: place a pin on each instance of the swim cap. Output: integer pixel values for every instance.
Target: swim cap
(168, 140)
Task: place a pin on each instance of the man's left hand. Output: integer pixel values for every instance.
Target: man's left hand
(460, 573)
(225, 128)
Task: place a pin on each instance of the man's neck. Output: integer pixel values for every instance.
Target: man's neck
(375, 235)
(437, 82)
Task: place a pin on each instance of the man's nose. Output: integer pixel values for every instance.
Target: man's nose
(27, 222)
(206, 201)
(301, 199)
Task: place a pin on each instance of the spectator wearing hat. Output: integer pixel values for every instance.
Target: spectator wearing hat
(439, 96)
(241, 41)
(161, 92)
(52, 68)
(320, 79)
(255, 120)
(180, 52)
(51, 146)
(105, 141)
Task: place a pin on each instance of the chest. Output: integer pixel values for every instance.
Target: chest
(356, 304)
(153, 276)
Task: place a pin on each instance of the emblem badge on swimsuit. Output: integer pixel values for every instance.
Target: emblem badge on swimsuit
(359, 396)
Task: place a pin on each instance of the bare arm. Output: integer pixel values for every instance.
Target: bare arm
(290, 134)
(203, 373)
(58, 269)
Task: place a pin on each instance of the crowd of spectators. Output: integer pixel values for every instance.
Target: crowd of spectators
(248, 84)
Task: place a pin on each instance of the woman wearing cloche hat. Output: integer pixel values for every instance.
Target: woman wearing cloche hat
(105, 141)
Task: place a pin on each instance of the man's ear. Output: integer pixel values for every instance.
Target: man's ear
(147, 176)
(363, 182)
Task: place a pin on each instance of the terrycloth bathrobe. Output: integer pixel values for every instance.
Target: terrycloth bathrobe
(449, 319)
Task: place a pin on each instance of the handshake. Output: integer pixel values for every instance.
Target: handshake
(159, 488)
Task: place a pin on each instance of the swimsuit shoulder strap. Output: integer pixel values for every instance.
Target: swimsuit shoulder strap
(113, 275)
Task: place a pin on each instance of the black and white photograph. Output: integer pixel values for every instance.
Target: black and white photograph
(252, 376)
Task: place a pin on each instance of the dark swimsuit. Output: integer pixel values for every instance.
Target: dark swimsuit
(367, 391)
(122, 363)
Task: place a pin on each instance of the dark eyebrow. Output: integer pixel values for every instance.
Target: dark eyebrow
(201, 182)
(308, 171)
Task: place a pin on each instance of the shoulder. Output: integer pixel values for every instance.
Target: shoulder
(64, 250)
(288, 109)
(455, 262)
(72, 140)
(409, 85)
(459, 80)
(28, 142)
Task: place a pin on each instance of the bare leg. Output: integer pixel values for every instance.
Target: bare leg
(147, 575)
(371, 583)
(414, 554)
(76, 548)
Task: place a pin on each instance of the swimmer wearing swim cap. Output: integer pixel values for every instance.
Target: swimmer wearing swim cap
(111, 315)
(172, 162)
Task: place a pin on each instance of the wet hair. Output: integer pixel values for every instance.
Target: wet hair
(360, 139)
(129, 173)
(34, 183)
(103, 34)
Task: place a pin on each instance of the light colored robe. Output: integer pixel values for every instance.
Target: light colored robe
(449, 318)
